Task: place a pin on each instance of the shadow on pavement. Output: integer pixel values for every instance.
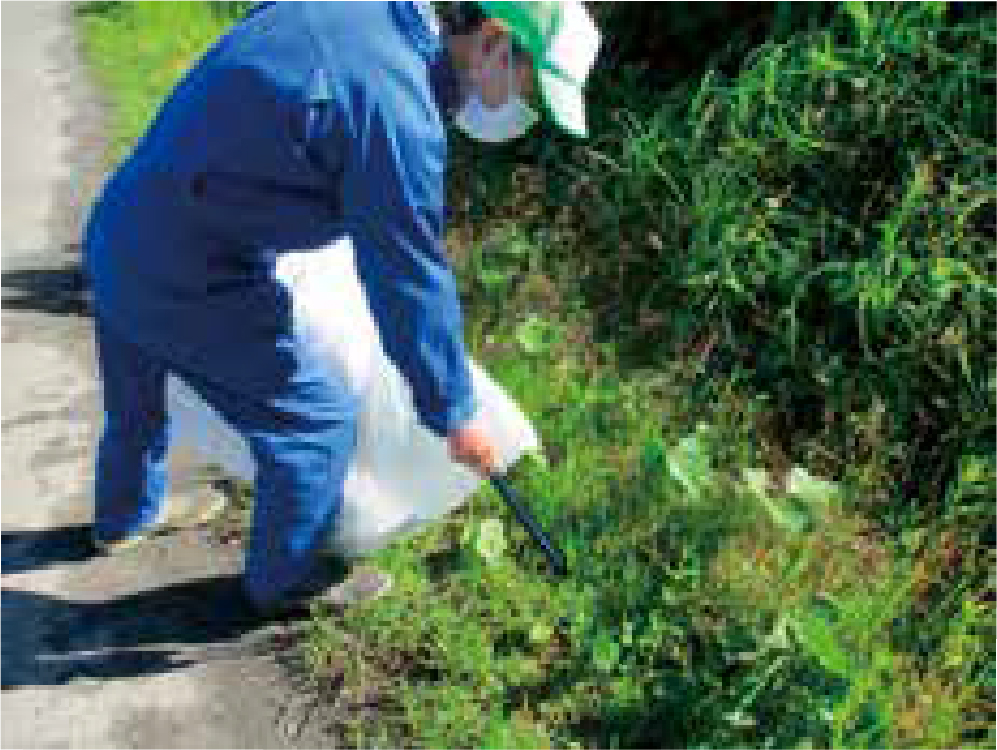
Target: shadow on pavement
(58, 291)
(36, 549)
(90, 640)
(52, 640)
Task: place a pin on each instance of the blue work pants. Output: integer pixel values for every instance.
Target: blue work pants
(301, 430)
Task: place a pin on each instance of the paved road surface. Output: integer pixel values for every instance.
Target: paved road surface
(69, 679)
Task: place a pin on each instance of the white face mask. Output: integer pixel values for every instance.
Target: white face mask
(494, 125)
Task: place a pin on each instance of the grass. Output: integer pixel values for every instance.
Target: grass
(138, 51)
(752, 321)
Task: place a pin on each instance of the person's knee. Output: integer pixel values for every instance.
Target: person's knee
(337, 413)
(341, 433)
(334, 420)
(297, 437)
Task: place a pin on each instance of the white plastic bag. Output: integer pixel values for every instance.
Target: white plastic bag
(402, 476)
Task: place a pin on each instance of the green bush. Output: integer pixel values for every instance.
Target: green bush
(816, 224)
(828, 213)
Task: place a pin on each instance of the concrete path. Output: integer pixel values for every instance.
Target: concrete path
(97, 652)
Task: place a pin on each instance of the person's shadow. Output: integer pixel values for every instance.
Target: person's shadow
(57, 291)
(48, 640)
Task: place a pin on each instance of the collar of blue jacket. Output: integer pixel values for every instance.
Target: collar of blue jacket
(421, 23)
(429, 15)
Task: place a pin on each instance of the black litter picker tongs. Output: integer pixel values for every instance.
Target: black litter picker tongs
(523, 515)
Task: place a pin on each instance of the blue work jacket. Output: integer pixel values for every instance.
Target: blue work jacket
(307, 120)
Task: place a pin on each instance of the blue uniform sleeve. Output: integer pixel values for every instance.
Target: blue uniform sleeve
(392, 153)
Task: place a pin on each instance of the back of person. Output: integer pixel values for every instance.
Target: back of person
(307, 123)
(227, 177)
